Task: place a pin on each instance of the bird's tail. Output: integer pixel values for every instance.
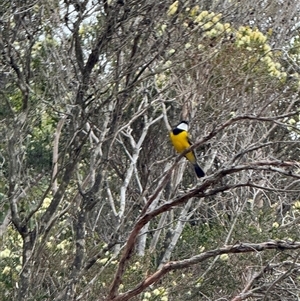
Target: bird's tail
(199, 172)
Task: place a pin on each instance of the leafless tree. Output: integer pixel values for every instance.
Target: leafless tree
(95, 204)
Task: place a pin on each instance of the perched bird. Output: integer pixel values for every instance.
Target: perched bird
(180, 139)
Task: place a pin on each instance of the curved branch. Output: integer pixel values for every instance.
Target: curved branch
(207, 188)
(185, 263)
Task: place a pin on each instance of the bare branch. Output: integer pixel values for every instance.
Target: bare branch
(279, 245)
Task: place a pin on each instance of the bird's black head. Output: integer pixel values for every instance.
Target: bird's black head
(183, 126)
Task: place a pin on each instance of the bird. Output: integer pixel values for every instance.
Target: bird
(180, 139)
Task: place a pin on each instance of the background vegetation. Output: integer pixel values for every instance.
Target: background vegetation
(94, 203)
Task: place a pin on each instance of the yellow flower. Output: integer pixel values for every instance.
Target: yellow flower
(212, 33)
(276, 73)
(163, 27)
(245, 39)
(62, 245)
(224, 257)
(147, 295)
(173, 8)
(283, 75)
(208, 25)
(220, 27)
(255, 35)
(267, 59)
(194, 11)
(103, 260)
(201, 249)
(262, 38)
(5, 253)
(46, 203)
(266, 48)
(227, 26)
(167, 64)
(6, 270)
(187, 45)
(204, 13)
(277, 65)
(297, 203)
(211, 15)
(242, 28)
(216, 19)
(201, 16)
(160, 79)
(81, 30)
(238, 35)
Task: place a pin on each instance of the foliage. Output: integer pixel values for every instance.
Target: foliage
(93, 204)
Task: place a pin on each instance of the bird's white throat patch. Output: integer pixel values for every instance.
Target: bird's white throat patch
(183, 126)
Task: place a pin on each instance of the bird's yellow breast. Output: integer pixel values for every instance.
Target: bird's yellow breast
(180, 141)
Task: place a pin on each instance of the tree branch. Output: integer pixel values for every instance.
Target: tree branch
(200, 191)
(279, 245)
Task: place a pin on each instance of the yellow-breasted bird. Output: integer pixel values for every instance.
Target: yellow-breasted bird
(180, 139)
